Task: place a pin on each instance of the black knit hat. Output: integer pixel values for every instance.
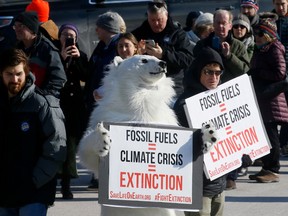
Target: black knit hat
(29, 19)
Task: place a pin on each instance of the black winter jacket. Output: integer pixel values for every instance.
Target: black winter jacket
(33, 146)
(177, 49)
(193, 87)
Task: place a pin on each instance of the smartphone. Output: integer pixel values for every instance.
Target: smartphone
(150, 42)
(216, 44)
(69, 42)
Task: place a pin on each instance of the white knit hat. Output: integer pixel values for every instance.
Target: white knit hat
(204, 19)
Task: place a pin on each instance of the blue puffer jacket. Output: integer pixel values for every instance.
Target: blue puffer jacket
(32, 146)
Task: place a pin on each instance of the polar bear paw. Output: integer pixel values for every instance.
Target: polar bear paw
(104, 140)
(209, 137)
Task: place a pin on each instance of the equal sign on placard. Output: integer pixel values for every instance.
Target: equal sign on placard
(151, 167)
(222, 107)
(152, 146)
(228, 130)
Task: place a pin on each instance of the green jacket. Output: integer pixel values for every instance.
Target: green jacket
(236, 64)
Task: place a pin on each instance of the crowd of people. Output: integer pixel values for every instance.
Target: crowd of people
(49, 87)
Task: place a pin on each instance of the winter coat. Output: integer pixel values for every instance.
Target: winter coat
(101, 56)
(45, 63)
(282, 30)
(193, 86)
(72, 95)
(268, 67)
(238, 61)
(177, 49)
(33, 146)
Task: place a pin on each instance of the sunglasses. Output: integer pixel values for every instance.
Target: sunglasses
(238, 26)
(157, 5)
(259, 33)
(208, 72)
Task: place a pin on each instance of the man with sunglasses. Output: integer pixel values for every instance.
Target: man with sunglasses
(171, 42)
(205, 73)
(233, 53)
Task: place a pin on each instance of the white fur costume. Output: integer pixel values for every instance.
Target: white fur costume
(136, 90)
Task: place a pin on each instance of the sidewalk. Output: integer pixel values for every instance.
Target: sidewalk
(249, 199)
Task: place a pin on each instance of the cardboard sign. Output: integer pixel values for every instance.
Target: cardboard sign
(151, 166)
(233, 109)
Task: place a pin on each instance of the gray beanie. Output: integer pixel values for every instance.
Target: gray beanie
(204, 19)
(243, 20)
(111, 22)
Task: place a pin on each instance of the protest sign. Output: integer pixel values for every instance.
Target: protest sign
(151, 166)
(232, 107)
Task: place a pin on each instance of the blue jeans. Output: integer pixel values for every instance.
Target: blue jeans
(38, 209)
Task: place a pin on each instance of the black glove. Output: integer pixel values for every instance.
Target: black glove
(246, 161)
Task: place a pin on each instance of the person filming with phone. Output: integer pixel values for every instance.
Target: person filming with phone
(163, 38)
(72, 100)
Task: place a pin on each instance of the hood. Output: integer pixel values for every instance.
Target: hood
(206, 56)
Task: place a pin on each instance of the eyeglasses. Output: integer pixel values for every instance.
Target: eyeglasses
(238, 26)
(157, 4)
(213, 72)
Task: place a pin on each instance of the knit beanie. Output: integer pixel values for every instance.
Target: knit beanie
(267, 24)
(69, 26)
(111, 22)
(204, 19)
(193, 15)
(242, 19)
(249, 3)
(29, 19)
(41, 8)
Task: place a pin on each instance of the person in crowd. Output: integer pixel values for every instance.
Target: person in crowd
(47, 26)
(233, 52)
(190, 24)
(250, 9)
(242, 31)
(44, 58)
(75, 64)
(108, 27)
(202, 28)
(234, 56)
(32, 139)
(190, 20)
(127, 45)
(268, 66)
(171, 42)
(281, 9)
(204, 74)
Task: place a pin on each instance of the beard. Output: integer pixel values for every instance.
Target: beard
(15, 88)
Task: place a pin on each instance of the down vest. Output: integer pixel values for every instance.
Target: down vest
(267, 68)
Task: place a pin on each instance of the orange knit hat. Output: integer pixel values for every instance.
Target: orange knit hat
(41, 8)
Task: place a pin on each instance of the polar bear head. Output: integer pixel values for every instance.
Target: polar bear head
(142, 69)
(136, 89)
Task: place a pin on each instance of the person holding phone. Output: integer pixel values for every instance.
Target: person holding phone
(72, 100)
(171, 42)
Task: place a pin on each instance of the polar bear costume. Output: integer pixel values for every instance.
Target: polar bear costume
(136, 90)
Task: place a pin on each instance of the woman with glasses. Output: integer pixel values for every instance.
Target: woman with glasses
(241, 30)
(204, 74)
